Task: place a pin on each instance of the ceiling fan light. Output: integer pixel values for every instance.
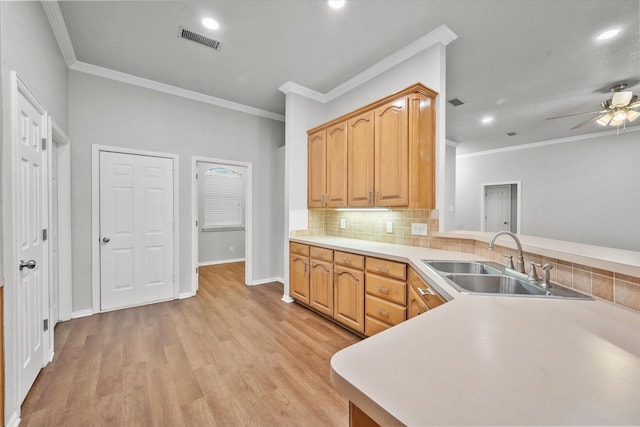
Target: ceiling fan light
(632, 115)
(620, 116)
(616, 122)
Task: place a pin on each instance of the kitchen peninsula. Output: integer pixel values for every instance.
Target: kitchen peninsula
(492, 360)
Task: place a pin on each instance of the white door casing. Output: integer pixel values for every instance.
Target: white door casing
(136, 230)
(54, 242)
(31, 219)
(248, 270)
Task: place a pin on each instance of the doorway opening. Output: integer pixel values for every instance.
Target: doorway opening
(501, 207)
(221, 215)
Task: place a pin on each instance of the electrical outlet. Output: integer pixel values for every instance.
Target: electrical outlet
(389, 226)
(418, 229)
(343, 223)
(230, 249)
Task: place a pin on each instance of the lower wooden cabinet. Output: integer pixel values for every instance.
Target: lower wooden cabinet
(365, 294)
(348, 286)
(299, 272)
(321, 287)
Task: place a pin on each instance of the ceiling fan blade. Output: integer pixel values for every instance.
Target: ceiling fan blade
(586, 122)
(632, 115)
(604, 119)
(634, 105)
(576, 114)
(621, 99)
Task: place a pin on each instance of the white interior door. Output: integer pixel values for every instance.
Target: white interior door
(32, 251)
(136, 230)
(497, 207)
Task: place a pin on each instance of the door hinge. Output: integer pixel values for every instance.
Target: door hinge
(44, 143)
(44, 234)
(46, 325)
(196, 270)
(196, 222)
(196, 176)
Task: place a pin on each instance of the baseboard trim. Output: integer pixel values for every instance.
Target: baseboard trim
(14, 421)
(184, 295)
(265, 281)
(286, 298)
(82, 313)
(224, 261)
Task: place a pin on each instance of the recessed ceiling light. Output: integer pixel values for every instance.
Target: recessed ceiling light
(210, 23)
(606, 35)
(336, 4)
(487, 120)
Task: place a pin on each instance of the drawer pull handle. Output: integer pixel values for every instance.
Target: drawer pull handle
(346, 260)
(383, 290)
(426, 292)
(382, 268)
(383, 313)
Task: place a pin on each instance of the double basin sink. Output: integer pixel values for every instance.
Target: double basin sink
(489, 278)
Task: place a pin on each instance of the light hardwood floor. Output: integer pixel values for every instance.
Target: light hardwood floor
(231, 356)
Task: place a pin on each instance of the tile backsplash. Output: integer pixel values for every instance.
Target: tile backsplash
(372, 226)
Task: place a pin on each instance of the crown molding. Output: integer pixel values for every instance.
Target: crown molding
(107, 73)
(545, 143)
(442, 35)
(291, 87)
(59, 28)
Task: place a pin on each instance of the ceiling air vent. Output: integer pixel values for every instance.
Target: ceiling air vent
(199, 38)
(512, 133)
(456, 102)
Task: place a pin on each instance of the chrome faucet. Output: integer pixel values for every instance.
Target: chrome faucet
(520, 260)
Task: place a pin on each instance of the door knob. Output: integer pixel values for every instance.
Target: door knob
(31, 264)
(106, 239)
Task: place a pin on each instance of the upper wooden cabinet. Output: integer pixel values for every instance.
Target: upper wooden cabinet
(327, 167)
(391, 142)
(360, 160)
(380, 155)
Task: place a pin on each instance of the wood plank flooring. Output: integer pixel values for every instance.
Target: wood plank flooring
(231, 356)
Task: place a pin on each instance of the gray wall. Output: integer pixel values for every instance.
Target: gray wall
(213, 246)
(585, 191)
(27, 46)
(112, 113)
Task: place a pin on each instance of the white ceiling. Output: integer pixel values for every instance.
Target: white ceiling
(519, 61)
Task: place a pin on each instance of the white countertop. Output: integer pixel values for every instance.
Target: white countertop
(483, 360)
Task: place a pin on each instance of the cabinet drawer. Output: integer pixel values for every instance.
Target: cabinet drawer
(385, 311)
(388, 268)
(386, 288)
(426, 292)
(321, 253)
(373, 326)
(299, 249)
(348, 259)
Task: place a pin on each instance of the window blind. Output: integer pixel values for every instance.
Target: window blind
(223, 198)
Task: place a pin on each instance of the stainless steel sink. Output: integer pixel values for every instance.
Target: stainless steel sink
(491, 284)
(490, 278)
(465, 267)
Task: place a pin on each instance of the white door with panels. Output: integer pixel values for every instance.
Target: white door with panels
(136, 230)
(32, 250)
(498, 208)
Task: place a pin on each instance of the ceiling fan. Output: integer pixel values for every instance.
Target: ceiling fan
(615, 110)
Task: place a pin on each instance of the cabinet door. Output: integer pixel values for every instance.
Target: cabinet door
(299, 278)
(415, 304)
(349, 297)
(392, 154)
(337, 166)
(317, 169)
(360, 158)
(321, 287)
